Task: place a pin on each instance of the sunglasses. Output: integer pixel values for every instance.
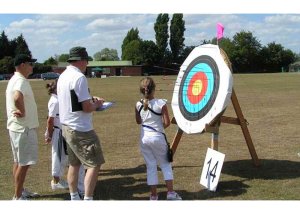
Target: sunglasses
(30, 63)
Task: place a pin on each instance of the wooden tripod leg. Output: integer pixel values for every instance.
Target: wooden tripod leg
(176, 140)
(215, 138)
(215, 141)
(244, 127)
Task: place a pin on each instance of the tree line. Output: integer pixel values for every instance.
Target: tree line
(10, 48)
(244, 50)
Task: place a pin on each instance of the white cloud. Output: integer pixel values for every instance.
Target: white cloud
(25, 23)
(109, 24)
(283, 19)
(52, 34)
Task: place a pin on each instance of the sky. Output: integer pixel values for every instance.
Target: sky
(49, 33)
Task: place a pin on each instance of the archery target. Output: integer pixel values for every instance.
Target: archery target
(202, 89)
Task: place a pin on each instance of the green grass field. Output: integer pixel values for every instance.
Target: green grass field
(270, 103)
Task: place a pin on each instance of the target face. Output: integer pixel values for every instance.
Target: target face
(202, 89)
(199, 87)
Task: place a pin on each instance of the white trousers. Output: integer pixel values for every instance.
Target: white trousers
(154, 149)
(60, 160)
(59, 157)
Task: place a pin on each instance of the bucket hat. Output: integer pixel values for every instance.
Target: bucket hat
(77, 54)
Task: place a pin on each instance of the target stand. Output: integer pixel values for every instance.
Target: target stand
(213, 128)
(202, 91)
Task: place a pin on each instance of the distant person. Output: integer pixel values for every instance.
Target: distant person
(53, 136)
(22, 123)
(75, 110)
(153, 115)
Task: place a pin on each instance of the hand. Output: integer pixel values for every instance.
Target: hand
(48, 140)
(97, 98)
(99, 102)
(18, 113)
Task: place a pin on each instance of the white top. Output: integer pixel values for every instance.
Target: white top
(18, 124)
(53, 110)
(151, 119)
(73, 79)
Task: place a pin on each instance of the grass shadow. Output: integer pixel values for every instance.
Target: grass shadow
(57, 196)
(122, 184)
(127, 171)
(269, 169)
(224, 189)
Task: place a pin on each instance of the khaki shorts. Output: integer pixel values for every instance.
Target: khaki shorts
(83, 147)
(24, 146)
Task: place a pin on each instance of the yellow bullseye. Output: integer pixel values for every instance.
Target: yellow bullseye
(197, 87)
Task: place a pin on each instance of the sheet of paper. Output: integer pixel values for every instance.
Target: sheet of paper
(105, 105)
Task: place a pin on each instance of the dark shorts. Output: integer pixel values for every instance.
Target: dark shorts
(83, 147)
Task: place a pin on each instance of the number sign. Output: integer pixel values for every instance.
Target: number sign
(212, 169)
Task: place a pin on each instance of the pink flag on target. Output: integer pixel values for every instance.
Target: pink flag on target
(220, 29)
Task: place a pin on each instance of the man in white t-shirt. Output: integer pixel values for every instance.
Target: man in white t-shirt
(75, 110)
(22, 122)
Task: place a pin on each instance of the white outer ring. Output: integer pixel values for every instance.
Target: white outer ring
(222, 98)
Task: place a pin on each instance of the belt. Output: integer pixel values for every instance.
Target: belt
(56, 127)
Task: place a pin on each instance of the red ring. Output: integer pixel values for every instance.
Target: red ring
(194, 99)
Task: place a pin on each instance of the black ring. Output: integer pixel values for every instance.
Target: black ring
(198, 115)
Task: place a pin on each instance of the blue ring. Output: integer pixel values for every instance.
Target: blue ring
(201, 67)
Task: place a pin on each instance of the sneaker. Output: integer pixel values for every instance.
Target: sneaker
(21, 198)
(60, 185)
(75, 196)
(153, 197)
(27, 194)
(173, 196)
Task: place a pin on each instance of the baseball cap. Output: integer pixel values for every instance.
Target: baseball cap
(22, 58)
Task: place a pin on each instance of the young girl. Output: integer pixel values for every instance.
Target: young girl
(153, 114)
(53, 135)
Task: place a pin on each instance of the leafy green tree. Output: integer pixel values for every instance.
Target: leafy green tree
(186, 51)
(63, 57)
(50, 61)
(40, 68)
(21, 46)
(150, 54)
(4, 45)
(12, 48)
(132, 35)
(276, 57)
(7, 65)
(133, 52)
(162, 35)
(245, 56)
(106, 54)
(177, 29)
(297, 57)
(288, 57)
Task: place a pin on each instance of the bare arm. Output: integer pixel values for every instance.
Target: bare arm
(138, 118)
(165, 116)
(50, 129)
(19, 103)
